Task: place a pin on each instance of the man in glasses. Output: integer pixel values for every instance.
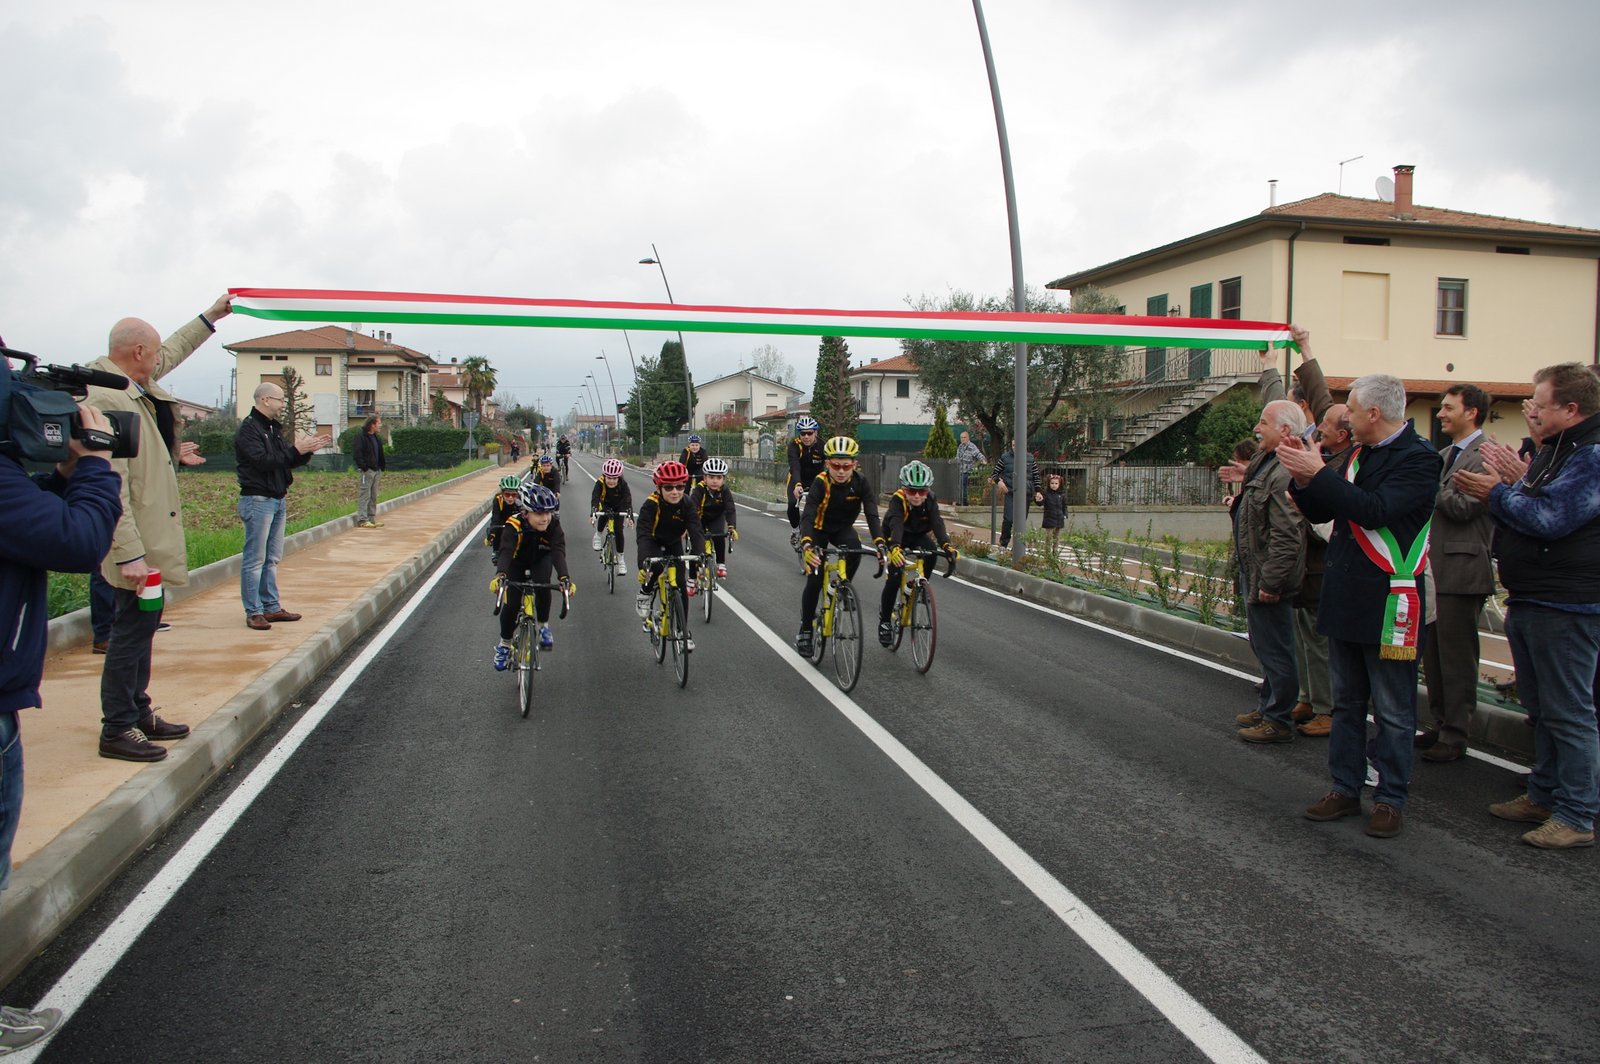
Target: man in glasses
(805, 465)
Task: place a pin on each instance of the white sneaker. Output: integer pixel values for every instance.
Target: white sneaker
(722, 572)
(1372, 775)
(622, 567)
(598, 536)
(688, 643)
(641, 605)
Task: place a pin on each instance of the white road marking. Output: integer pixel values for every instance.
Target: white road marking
(75, 986)
(1209, 1034)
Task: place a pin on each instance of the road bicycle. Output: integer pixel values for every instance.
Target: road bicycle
(913, 607)
(565, 467)
(525, 641)
(838, 617)
(709, 581)
(608, 545)
(667, 622)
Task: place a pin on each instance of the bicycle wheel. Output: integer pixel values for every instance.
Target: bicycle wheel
(525, 658)
(897, 620)
(679, 640)
(608, 558)
(846, 640)
(924, 630)
(818, 640)
(658, 643)
(708, 588)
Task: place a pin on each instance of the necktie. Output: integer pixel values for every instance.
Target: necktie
(1451, 455)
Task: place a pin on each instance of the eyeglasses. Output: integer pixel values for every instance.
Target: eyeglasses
(841, 466)
(673, 487)
(808, 432)
(910, 492)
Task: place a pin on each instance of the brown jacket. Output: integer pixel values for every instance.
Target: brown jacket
(1272, 533)
(1458, 540)
(152, 517)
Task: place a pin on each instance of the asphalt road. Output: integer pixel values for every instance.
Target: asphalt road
(737, 872)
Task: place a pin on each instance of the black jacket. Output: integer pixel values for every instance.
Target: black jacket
(1566, 569)
(368, 451)
(1394, 488)
(804, 462)
(265, 458)
(618, 499)
(904, 523)
(714, 508)
(521, 547)
(831, 508)
(662, 526)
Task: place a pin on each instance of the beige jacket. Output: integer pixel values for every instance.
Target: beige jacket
(152, 517)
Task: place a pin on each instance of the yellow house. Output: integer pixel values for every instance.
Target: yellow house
(348, 375)
(1433, 296)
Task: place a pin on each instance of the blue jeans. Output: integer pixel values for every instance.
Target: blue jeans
(10, 790)
(1555, 653)
(263, 550)
(1270, 626)
(1360, 675)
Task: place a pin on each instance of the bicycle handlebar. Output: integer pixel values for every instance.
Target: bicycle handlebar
(923, 552)
(833, 548)
(528, 585)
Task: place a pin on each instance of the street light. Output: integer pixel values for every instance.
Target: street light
(639, 388)
(688, 390)
(599, 407)
(615, 402)
(1019, 302)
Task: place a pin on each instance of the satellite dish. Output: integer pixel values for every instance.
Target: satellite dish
(1386, 189)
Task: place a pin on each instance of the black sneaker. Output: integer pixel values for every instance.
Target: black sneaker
(802, 642)
(130, 744)
(885, 634)
(162, 730)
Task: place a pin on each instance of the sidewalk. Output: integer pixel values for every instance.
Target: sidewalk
(85, 817)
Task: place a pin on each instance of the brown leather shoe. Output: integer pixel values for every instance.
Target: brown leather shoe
(258, 622)
(1319, 726)
(1521, 808)
(1248, 720)
(1301, 712)
(161, 730)
(101, 646)
(1439, 753)
(130, 744)
(1424, 739)
(1266, 732)
(281, 615)
(1385, 822)
(1333, 806)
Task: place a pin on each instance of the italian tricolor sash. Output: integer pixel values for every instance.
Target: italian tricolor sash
(1402, 614)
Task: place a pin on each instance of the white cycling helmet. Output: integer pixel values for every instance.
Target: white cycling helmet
(715, 467)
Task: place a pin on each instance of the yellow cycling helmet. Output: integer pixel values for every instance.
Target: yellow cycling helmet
(841, 447)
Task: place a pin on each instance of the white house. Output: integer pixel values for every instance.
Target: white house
(745, 392)
(889, 392)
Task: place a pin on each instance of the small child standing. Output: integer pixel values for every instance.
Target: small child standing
(1055, 508)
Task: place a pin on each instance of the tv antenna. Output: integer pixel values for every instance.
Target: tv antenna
(1352, 159)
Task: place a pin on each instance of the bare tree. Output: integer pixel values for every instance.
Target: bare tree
(769, 362)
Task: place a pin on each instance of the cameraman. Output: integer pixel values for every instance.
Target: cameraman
(61, 521)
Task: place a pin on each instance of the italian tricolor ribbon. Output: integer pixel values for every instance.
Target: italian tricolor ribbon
(300, 304)
(1402, 614)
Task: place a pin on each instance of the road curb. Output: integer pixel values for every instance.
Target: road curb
(56, 884)
(1492, 725)
(73, 629)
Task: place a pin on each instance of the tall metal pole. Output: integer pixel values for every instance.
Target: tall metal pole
(637, 387)
(599, 407)
(688, 389)
(1019, 302)
(615, 402)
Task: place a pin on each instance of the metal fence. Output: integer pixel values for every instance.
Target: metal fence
(1146, 486)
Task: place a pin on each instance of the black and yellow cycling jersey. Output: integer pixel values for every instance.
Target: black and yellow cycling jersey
(714, 508)
(805, 461)
(662, 525)
(500, 509)
(903, 522)
(521, 545)
(830, 508)
(617, 500)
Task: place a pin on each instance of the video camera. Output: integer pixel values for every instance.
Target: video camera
(39, 411)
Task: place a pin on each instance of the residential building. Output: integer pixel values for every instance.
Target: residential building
(1432, 295)
(889, 392)
(745, 392)
(348, 376)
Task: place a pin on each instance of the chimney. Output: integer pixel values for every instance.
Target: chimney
(1272, 192)
(1402, 192)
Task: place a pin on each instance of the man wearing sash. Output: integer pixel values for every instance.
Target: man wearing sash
(1380, 500)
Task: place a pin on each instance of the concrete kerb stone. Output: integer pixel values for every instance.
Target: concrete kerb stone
(1492, 725)
(73, 629)
(55, 885)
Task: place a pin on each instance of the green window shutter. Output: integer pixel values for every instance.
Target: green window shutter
(1200, 301)
(1155, 358)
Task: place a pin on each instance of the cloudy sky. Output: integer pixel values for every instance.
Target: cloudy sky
(836, 153)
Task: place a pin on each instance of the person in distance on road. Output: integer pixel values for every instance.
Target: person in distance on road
(805, 465)
(532, 547)
(694, 459)
(504, 505)
(546, 474)
(611, 495)
(833, 502)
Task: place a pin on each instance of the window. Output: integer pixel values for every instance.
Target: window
(902, 388)
(1451, 317)
(1232, 297)
(1369, 241)
(324, 367)
(1509, 249)
(1200, 301)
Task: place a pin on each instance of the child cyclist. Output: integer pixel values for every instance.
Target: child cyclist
(503, 505)
(611, 496)
(912, 519)
(532, 547)
(544, 473)
(833, 502)
(665, 518)
(805, 465)
(713, 505)
(693, 458)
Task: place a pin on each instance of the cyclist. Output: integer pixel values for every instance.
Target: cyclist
(805, 465)
(713, 505)
(532, 546)
(564, 452)
(912, 519)
(694, 458)
(833, 502)
(502, 506)
(544, 473)
(664, 519)
(610, 494)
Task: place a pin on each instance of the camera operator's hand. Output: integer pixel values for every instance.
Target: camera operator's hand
(189, 454)
(135, 571)
(220, 309)
(91, 417)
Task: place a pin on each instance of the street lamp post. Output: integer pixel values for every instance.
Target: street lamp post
(599, 406)
(688, 388)
(615, 402)
(1019, 302)
(637, 387)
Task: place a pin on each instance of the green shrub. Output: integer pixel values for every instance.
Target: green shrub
(428, 440)
(215, 442)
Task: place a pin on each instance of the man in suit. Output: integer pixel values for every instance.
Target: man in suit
(1463, 577)
(1380, 500)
